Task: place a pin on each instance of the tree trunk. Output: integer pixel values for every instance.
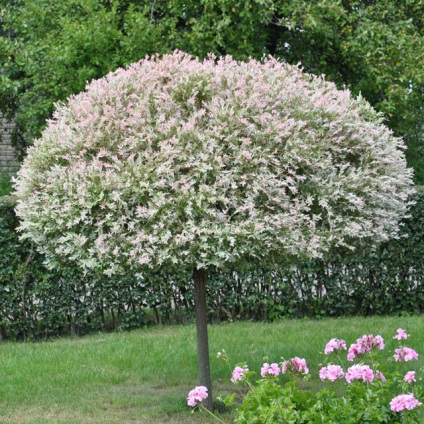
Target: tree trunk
(199, 278)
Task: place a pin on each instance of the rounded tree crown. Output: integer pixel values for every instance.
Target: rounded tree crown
(208, 164)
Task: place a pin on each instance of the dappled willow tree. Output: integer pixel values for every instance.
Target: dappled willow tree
(204, 165)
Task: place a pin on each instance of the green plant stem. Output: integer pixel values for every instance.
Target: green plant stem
(211, 413)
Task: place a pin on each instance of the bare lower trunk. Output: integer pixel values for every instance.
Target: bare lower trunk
(199, 278)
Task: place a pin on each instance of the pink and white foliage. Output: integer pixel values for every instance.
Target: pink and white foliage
(206, 163)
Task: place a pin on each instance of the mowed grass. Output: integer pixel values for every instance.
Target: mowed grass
(144, 376)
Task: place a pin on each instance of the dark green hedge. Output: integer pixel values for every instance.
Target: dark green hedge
(38, 303)
(388, 280)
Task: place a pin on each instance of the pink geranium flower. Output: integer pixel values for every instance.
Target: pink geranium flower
(272, 369)
(196, 395)
(295, 365)
(359, 372)
(238, 373)
(401, 402)
(409, 377)
(363, 345)
(334, 345)
(405, 354)
(354, 351)
(401, 334)
(331, 372)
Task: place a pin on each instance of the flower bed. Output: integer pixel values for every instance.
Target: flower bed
(373, 387)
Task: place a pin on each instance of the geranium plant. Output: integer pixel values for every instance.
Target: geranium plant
(368, 396)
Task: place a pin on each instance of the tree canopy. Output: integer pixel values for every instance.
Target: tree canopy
(205, 165)
(49, 50)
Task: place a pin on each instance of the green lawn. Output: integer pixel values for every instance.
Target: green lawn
(144, 376)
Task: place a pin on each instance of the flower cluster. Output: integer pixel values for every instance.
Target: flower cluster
(402, 402)
(409, 377)
(379, 376)
(401, 334)
(295, 365)
(367, 396)
(364, 345)
(334, 345)
(238, 373)
(405, 354)
(196, 395)
(331, 372)
(359, 372)
(268, 369)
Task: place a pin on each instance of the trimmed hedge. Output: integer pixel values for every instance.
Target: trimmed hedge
(38, 303)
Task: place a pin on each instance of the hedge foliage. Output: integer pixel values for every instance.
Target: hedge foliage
(38, 303)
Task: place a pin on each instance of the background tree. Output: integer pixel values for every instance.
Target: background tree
(374, 47)
(209, 165)
(48, 50)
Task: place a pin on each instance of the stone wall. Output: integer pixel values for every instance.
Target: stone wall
(8, 161)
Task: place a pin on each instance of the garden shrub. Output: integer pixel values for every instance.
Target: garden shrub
(377, 382)
(5, 183)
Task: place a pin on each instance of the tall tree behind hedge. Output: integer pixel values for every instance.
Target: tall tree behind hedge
(375, 47)
(49, 50)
